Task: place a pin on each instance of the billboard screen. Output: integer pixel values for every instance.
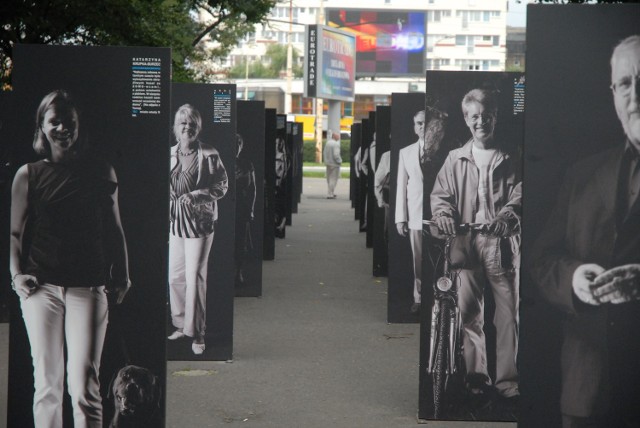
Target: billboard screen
(388, 43)
(329, 63)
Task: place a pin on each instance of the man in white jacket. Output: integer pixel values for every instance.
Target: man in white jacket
(413, 160)
(332, 160)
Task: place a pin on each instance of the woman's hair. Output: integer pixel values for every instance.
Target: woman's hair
(482, 96)
(190, 112)
(61, 99)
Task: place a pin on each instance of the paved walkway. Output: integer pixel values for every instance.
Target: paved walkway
(315, 351)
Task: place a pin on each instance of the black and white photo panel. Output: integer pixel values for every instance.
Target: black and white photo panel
(354, 146)
(403, 298)
(8, 167)
(370, 166)
(250, 199)
(290, 178)
(89, 222)
(202, 215)
(362, 172)
(471, 162)
(269, 183)
(581, 220)
(297, 161)
(381, 180)
(282, 167)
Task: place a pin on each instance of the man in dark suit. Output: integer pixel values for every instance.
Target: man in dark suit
(587, 264)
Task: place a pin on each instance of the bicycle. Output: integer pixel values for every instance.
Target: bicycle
(446, 358)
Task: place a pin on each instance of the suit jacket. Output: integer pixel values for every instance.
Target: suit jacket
(583, 229)
(409, 190)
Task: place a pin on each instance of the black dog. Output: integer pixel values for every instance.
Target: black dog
(136, 396)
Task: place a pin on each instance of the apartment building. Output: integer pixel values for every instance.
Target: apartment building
(460, 35)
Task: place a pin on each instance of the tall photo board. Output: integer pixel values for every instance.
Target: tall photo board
(89, 216)
(581, 220)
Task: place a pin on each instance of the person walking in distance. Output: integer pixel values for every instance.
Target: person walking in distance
(332, 160)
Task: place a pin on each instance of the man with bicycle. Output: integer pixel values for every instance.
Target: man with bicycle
(480, 183)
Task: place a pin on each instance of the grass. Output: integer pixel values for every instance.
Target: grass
(320, 174)
(346, 165)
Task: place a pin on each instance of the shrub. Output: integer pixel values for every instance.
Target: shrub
(309, 150)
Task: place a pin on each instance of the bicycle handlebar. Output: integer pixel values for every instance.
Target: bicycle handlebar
(462, 227)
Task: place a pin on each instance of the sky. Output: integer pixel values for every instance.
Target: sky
(517, 16)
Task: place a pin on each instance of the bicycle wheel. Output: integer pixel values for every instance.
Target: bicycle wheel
(440, 372)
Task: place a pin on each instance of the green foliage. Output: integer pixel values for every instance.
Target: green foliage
(275, 62)
(227, 21)
(169, 23)
(515, 68)
(309, 151)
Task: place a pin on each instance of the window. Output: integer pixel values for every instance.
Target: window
(486, 38)
(469, 41)
(496, 40)
(437, 15)
(477, 15)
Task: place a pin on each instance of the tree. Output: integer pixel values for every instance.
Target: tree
(171, 23)
(275, 63)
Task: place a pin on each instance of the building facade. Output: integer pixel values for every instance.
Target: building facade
(460, 35)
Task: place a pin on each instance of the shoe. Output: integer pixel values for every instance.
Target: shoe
(178, 334)
(415, 308)
(197, 348)
(479, 390)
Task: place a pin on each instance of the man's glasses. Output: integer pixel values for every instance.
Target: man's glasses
(625, 85)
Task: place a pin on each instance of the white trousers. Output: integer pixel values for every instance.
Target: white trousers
(504, 285)
(188, 259)
(415, 238)
(333, 173)
(78, 316)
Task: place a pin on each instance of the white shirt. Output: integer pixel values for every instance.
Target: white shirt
(485, 161)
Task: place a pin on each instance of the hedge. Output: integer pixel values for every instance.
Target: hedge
(309, 150)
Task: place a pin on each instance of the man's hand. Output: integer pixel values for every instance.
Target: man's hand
(403, 228)
(25, 285)
(498, 228)
(618, 285)
(583, 282)
(446, 225)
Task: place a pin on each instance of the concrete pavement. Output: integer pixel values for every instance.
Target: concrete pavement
(315, 351)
